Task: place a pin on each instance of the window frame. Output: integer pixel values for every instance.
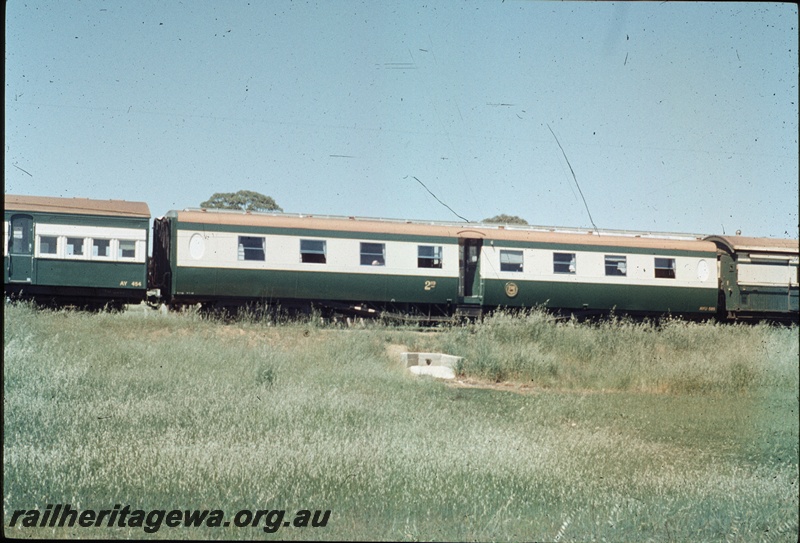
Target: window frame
(41, 241)
(106, 256)
(245, 252)
(510, 265)
(434, 261)
(67, 244)
(667, 268)
(571, 264)
(120, 255)
(372, 258)
(314, 256)
(612, 265)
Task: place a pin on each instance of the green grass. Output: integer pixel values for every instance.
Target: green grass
(619, 431)
(673, 357)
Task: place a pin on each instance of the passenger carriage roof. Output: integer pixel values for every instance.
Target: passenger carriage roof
(645, 240)
(763, 245)
(78, 206)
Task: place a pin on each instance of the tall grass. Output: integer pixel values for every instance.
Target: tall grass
(182, 411)
(673, 356)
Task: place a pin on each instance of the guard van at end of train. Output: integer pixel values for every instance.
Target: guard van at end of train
(758, 278)
(75, 251)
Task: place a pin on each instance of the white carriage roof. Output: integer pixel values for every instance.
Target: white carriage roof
(573, 236)
(79, 206)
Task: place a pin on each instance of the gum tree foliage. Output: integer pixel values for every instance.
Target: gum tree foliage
(245, 200)
(506, 219)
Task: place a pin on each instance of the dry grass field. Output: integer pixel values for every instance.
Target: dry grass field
(553, 430)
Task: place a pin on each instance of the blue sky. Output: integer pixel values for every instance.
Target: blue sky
(674, 117)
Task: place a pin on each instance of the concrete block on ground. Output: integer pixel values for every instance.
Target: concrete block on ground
(436, 364)
(440, 372)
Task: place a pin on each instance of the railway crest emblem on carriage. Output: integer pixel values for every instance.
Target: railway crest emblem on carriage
(511, 289)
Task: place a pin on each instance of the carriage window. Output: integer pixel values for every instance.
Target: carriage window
(313, 251)
(665, 268)
(616, 265)
(251, 248)
(373, 254)
(429, 256)
(511, 261)
(127, 248)
(564, 263)
(19, 240)
(48, 245)
(101, 248)
(74, 246)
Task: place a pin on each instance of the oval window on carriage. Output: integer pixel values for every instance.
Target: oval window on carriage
(197, 246)
(702, 270)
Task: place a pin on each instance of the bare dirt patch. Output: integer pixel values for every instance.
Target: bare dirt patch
(506, 386)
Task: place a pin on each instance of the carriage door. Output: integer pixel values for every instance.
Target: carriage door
(20, 249)
(469, 278)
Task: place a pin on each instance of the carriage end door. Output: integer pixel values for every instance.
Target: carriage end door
(20, 249)
(470, 286)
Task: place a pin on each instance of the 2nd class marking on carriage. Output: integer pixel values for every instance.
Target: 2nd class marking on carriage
(430, 285)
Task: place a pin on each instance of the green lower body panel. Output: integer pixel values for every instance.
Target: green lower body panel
(93, 274)
(77, 281)
(192, 285)
(768, 299)
(202, 284)
(602, 297)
